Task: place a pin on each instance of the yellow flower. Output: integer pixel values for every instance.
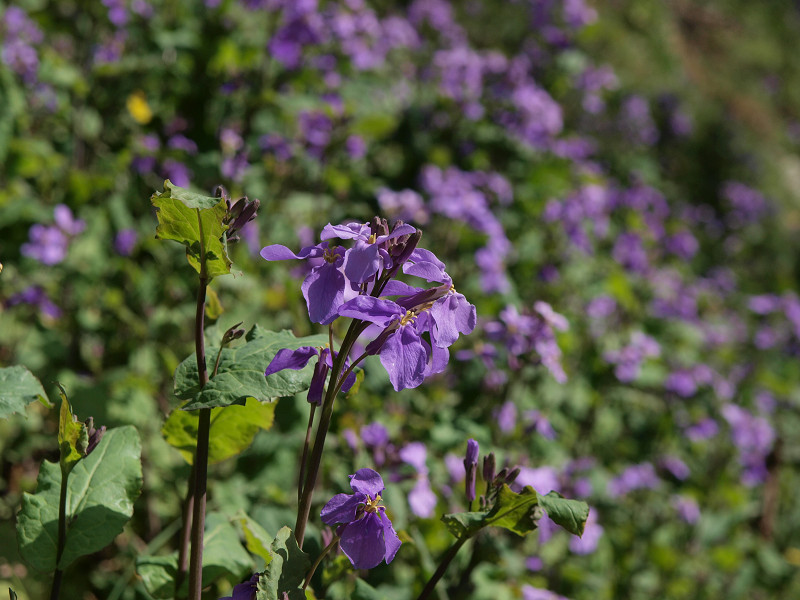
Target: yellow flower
(138, 107)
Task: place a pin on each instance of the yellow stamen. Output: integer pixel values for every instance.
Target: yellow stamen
(372, 505)
(408, 318)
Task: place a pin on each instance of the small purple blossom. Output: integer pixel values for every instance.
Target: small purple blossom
(244, 591)
(297, 359)
(635, 477)
(366, 533)
(125, 241)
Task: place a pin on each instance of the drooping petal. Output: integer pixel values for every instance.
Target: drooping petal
(399, 288)
(341, 508)
(390, 538)
(323, 290)
(291, 359)
(367, 481)
(404, 358)
(439, 358)
(452, 314)
(362, 261)
(345, 232)
(371, 309)
(278, 252)
(363, 542)
(423, 263)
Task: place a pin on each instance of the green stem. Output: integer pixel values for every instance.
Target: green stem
(304, 457)
(304, 506)
(186, 531)
(317, 562)
(62, 535)
(445, 562)
(201, 453)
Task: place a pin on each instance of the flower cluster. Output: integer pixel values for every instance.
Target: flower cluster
(416, 328)
(49, 243)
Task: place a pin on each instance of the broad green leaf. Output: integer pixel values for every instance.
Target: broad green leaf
(213, 306)
(570, 514)
(72, 437)
(517, 512)
(196, 222)
(241, 371)
(18, 388)
(232, 429)
(464, 524)
(256, 538)
(101, 490)
(364, 591)
(286, 571)
(223, 554)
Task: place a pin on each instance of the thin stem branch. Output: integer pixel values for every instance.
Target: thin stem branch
(304, 456)
(304, 505)
(62, 535)
(317, 562)
(186, 531)
(203, 427)
(445, 562)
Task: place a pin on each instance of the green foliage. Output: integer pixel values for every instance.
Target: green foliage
(286, 571)
(73, 437)
(196, 222)
(18, 388)
(101, 491)
(257, 540)
(519, 512)
(223, 555)
(241, 372)
(232, 429)
(570, 514)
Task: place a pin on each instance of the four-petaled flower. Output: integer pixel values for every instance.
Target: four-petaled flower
(366, 533)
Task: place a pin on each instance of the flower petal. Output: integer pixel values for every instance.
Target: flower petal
(323, 290)
(362, 261)
(345, 232)
(452, 315)
(367, 481)
(404, 358)
(291, 359)
(363, 542)
(390, 538)
(341, 508)
(371, 309)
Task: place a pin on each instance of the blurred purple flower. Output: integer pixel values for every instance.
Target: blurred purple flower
(635, 477)
(687, 509)
(125, 241)
(592, 532)
(36, 296)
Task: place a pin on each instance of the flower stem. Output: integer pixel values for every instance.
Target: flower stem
(445, 562)
(186, 531)
(304, 505)
(317, 562)
(201, 453)
(304, 456)
(62, 535)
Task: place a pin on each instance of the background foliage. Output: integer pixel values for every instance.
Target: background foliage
(632, 164)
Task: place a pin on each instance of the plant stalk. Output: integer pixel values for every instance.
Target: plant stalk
(317, 562)
(304, 506)
(445, 562)
(62, 535)
(201, 453)
(304, 456)
(186, 531)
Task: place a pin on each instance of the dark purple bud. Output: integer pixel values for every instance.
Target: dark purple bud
(472, 452)
(512, 476)
(489, 467)
(241, 212)
(500, 477)
(234, 333)
(95, 435)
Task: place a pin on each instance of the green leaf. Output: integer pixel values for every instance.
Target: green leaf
(72, 437)
(101, 491)
(286, 572)
(364, 591)
(517, 512)
(241, 372)
(232, 429)
(196, 222)
(223, 554)
(18, 388)
(213, 306)
(570, 514)
(464, 524)
(256, 538)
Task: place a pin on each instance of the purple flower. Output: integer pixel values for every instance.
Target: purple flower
(687, 509)
(422, 499)
(245, 590)
(125, 241)
(297, 359)
(633, 478)
(49, 244)
(471, 467)
(531, 593)
(324, 287)
(592, 532)
(367, 535)
(36, 296)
